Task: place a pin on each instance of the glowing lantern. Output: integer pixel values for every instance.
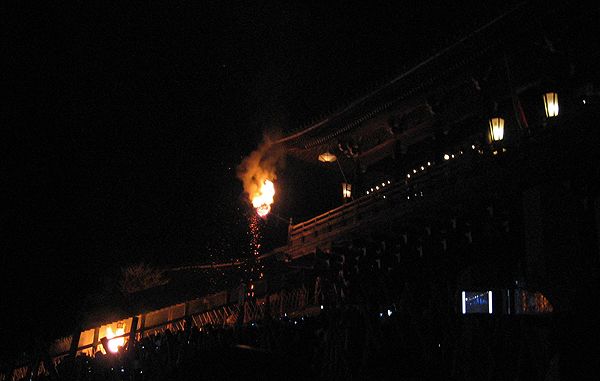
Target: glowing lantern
(114, 344)
(551, 104)
(263, 199)
(496, 129)
(327, 157)
(346, 191)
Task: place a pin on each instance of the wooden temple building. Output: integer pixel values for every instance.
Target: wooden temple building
(477, 169)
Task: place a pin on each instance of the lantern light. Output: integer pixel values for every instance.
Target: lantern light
(496, 129)
(327, 157)
(347, 190)
(551, 104)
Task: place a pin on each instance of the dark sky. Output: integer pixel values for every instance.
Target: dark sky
(125, 124)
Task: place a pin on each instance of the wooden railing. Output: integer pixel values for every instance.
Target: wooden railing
(278, 304)
(391, 200)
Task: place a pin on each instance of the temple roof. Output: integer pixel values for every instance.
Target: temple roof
(454, 84)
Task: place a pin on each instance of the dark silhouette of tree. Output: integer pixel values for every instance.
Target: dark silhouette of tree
(140, 276)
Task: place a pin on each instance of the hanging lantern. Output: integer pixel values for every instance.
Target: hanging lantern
(551, 104)
(496, 129)
(327, 157)
(346, 191)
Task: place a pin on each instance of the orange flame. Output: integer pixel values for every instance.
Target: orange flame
(114, 344)
(258, 171)
(263, 198)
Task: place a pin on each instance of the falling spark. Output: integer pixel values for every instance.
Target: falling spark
(255, 234)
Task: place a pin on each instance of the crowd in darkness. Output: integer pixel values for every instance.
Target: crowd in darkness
(384, 308)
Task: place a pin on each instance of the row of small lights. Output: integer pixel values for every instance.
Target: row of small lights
(416, 170)
(408, 175)
(376, 188)
(496, 131)
(422, 168)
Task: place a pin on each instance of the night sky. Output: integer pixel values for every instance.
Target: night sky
(126, 124)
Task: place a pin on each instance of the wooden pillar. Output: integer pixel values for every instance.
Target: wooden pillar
(142, 324)
(104, 342)
(132, 332)
(96, 340)
(74, 342)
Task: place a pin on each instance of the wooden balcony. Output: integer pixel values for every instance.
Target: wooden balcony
(390, 201)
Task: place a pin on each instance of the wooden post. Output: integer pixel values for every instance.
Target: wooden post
(104, 342)
(188, 324)
(132, 334)
(96, 338)
(142, 325)
(75, 342)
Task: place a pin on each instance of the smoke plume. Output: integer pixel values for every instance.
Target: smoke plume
(260, 165)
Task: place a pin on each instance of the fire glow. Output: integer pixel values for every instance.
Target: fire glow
(114, 344)
(263, 198)
(258, 171)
